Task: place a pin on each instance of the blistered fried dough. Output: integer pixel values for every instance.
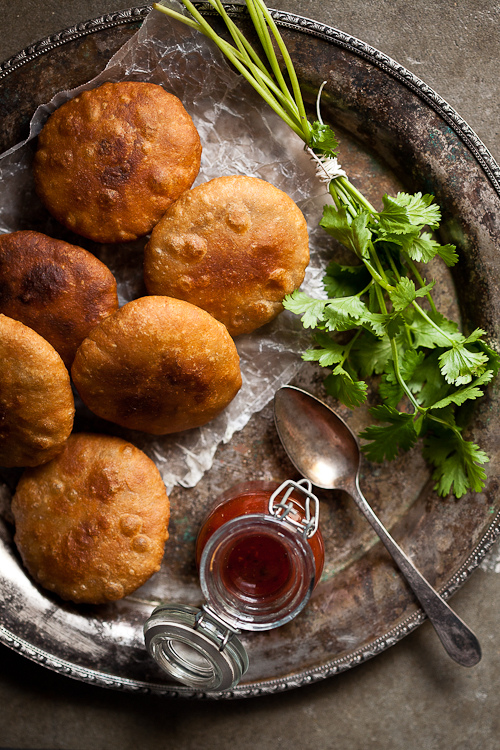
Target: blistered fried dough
(235, 246)
(111, 161)
(57, 289)
(159, 365)
(36, 402)
(91, 525)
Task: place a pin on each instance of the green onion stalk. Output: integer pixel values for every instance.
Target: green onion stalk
(426, 367)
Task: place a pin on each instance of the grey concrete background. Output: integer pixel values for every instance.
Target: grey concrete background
(411, 696)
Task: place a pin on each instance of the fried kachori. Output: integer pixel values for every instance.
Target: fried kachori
(110, 161)
(91, 524)
(36, 401)
(235, 246)
(59, 290)
(159, 365)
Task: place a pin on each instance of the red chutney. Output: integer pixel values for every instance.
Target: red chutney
(257, 565)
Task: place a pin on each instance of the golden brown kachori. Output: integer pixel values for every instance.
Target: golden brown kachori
(59, 290)
(235, 246)
(91, 524)
(159, 365)
(110, 161)
(36, 401)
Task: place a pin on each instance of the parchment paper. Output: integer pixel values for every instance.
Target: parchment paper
(240, 135)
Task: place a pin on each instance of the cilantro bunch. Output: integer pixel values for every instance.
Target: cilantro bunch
(378, 320)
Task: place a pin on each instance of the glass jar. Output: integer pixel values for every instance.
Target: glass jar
(260, 554)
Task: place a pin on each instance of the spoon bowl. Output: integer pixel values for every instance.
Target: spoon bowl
(305, 436)
(324, 450)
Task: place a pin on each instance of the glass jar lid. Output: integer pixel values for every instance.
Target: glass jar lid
(193, 646)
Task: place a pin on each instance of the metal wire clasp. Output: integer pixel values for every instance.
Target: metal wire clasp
(309, 524)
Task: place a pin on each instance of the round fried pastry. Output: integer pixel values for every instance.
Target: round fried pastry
(159, 365)
(110, 161)
(36, 402)
(91, 524)
(235, 246)
(59, 290)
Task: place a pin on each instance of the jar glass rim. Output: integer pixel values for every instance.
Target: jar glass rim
(253, 614)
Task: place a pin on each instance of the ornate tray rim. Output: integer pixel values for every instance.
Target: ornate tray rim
(492, 171)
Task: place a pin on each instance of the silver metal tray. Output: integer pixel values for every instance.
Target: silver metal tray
(395, 131)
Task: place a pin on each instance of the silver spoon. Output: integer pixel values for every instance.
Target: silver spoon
(324, 450)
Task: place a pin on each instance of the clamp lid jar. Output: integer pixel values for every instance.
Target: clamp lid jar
(260, 554)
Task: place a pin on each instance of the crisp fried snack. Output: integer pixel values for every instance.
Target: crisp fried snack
(36, 402)
(159, 365)
(111, 161)
(57, 289)
(91, 525)
(234, 246)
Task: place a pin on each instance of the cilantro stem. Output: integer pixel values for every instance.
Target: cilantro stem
(289, 67)
(379, 264)
(336, 190)
(249, 70)
(420, 280)
(395, 354)
(376, 276)
(349, 346)
(359, 197)
(443, 422)
(399, 377)
(267, 45)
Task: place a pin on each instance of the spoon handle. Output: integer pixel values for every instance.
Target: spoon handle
(456, 637)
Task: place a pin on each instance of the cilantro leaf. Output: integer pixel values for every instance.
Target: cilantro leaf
(493, 357)
(399, 434)
(476, 335)
(394, 218)
(342, 312)
(469, 392)
(352, 234)
(323, 139)
(427, 382)
(403, 240)
(345, 281)
(341, 386)
(390, 389)
(459, 364)
(405, 293)
(328, 353)
(423, 248)
(301, 304)
(410, 362)
(429, 336)
(377, 321)
(391, 392)
(370, 355)
(457, 464)
(401, 214)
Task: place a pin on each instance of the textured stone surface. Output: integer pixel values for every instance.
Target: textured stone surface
(409, 697)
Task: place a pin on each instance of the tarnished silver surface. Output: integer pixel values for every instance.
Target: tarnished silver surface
(395, 132)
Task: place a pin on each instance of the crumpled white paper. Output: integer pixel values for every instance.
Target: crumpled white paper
(240, 135)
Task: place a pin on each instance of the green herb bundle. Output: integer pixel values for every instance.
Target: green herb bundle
(379, 317)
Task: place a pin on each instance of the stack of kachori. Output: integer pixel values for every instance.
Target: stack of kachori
(112, 165)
